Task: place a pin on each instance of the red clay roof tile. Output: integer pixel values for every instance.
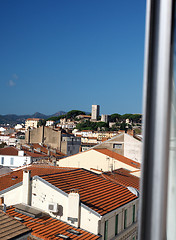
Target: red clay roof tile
(12, 178)
(118, 157)
(95, 192)
(47, 227)
(9, 151)
(123, 177)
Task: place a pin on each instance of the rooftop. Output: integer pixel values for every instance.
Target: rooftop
(12, 178)
(118, 157)
(11, 228)
(95, 192)
(46, 227)
(123, 177)
(13, 151)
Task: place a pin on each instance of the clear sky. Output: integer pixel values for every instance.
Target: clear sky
(69, 54)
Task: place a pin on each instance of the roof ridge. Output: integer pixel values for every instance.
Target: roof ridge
(50, 174)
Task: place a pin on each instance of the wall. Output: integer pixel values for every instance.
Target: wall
(13, 196)
(43, 193)
(34, 135)
(52, 137)
(130, 147)
(47, 136)
(93, 159)
(131, 229)
(17, 161)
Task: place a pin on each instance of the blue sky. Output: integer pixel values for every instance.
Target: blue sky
(69, 54)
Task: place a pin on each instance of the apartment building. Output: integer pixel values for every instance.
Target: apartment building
(31, 123)
(78, 197)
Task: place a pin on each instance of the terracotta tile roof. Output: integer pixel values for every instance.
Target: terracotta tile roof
(33, 119)
(44, 149)
(118, 157)
(95, 192)
(123, 177)
(47, 227)
(11, 228)
(9, 151)
(33, 154)
(14, 152)
(12, 178)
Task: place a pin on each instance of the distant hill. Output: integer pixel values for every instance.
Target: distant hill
(58, 114)
(13, 119)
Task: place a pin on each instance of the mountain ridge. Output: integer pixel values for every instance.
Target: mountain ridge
(13, 119)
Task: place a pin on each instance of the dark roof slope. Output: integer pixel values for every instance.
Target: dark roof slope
(11, 228)
(95, 192)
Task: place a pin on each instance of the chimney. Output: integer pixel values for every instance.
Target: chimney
(32, 149)
(20, 153)
(26, 192)
(74, 207)
(1, 200)
(2, 204)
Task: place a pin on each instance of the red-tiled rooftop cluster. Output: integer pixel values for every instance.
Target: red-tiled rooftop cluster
(95, 192)
(48, 228)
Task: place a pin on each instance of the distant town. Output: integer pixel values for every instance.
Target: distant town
(71, 175)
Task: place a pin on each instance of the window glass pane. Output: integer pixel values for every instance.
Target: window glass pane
(2, 160)
(106, 230)
(116, 225)
(125, 218)
(133, 213)
(11, 161)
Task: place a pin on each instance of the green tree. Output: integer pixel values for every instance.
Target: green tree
(115, 117)
(3, 144)
(42, 122)
(74, 113)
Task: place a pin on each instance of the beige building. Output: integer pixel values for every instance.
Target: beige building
(100, 159)
(31, 123)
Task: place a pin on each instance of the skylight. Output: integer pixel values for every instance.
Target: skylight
(74, 232)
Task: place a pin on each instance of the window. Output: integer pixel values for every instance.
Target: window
(116, 224)
(117, 145)
(11, 161)
(125, 219)
(2, 160)
(106, 230)
(133, 213)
